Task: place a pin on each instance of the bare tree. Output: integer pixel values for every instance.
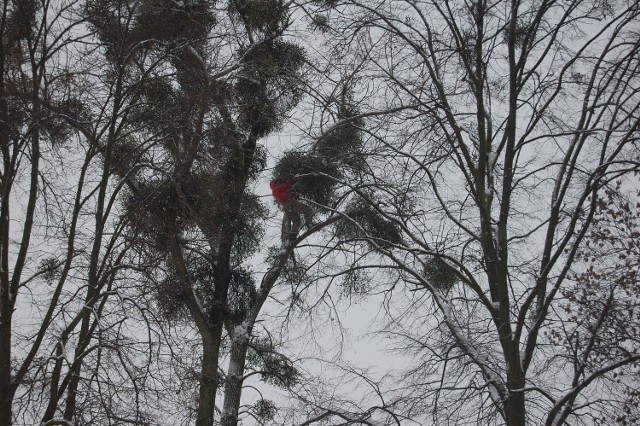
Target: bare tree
(599, 330)
(506, 121)
(73, 331)
(33, 37)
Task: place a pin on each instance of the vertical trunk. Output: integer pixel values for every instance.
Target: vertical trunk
(72, 393)
(5, 351)
(234, 379)
(515, 408)
(6, 310)
(9, 285)
(209, 375)
(54, 386)
(209, 326)
(514, 405)
(6, 305)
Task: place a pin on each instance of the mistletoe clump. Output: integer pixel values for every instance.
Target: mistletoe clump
(170, 21)
(364, 222)
(150, 207)
(439, 273)
(169, 298)
(343, 142)
(269, 85)
(263, 15)
(315, 177)
(274, 367)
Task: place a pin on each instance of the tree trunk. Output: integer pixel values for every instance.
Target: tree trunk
(5, 357)
(76, 369)
(6, 306)
(209, 375)
(6, 311)
(54, 385)
(234, 380)
(515, 410)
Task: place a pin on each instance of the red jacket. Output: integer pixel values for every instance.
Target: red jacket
(281, 191)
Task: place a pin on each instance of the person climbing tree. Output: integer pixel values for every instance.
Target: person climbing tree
(282, 189)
